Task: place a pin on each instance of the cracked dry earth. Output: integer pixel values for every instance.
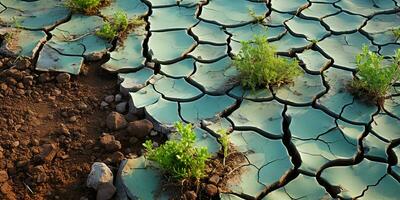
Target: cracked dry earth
(311, 139)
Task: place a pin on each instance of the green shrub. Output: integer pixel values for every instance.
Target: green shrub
(118, 23)
(83, 5)
(179, 158)
(373, 79)
(260, 66)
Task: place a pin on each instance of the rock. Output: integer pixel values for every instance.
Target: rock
(7, 191)
(64, 130)
(44, 77)
(99, 174)
(116, 121)
(3, 87)
(140, 128)
(211, 190)
(117, 157)
(82, 106)
(48, 152)
(118, 98)
(153, 133)
(214, 179)
(121, 107)
(15, 144)
(3, 176)
(103, 104)
(63, 78)
(105, 191)
(109, 99)
(72, 119)
(109, 143)
(190, 195)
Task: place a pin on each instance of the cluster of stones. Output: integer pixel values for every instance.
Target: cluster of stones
(310, 139)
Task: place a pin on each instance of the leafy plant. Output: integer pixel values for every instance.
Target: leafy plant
(259, 65)
(111, 28)
(396, 33)
(180, 158)
(224, 140)
(373, 79)
(83, 5)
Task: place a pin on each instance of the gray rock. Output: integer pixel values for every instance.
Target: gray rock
(109, 98)
(99, 174)
(121, 107)
(118, 98)
(103, 104)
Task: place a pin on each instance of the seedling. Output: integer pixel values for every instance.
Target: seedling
(257, 18)
(179, 158)
(117, 24)
(373, 79)
(224, 140)
(260, 66)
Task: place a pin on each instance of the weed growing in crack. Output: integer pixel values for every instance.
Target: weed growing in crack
(84, 6)
(224, 139)
(396, 33)
(374, 80)
(118, 23)
(260, 66)
(257, 18)
(180, 158)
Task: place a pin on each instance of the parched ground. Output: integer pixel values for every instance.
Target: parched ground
(49, 132)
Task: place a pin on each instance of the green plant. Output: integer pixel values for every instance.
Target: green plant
(118, 23)
(396, 33)
(224, 140)
(259, 65)
(180, 158)
(83, 5)
(257, 18)
(373, 79)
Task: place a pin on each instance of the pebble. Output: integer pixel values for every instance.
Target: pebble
(103, 104)
(109, 99)
(63, 78)
(121, 107)
(118, 98)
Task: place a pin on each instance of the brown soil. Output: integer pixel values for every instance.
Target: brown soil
(32, 114)
(217, 175)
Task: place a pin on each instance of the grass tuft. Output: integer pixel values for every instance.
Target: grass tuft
(260, 66)
(118, 23)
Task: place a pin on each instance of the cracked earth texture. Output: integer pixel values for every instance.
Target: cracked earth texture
(309, 140)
